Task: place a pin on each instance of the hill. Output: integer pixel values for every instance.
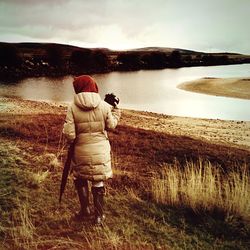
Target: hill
(19, 60)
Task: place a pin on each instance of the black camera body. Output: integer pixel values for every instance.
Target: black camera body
(112, 99)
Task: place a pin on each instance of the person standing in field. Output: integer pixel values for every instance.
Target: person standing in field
(87, 121)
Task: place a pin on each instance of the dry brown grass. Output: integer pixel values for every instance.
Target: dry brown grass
(23, 230)
(134, 149)
(203, 187)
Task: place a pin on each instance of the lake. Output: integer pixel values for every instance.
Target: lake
(147, 90)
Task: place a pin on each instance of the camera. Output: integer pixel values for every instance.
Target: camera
(111, 99)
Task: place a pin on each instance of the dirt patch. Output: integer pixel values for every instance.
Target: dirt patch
(18, 106)
(225, 132)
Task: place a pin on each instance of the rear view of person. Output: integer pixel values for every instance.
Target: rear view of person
(86, 124)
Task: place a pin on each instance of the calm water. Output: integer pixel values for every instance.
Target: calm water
(147, 90)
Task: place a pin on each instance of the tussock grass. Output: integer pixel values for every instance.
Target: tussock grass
(22, 232)
(203, 187)
(50, 160)
(38, 178)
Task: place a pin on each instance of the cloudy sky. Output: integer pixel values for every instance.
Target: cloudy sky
(203, 25)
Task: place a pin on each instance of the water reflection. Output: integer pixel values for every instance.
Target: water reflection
(41, 88)
(147, 90)
(55, 89)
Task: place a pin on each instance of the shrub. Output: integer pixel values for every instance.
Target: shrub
(9, 55)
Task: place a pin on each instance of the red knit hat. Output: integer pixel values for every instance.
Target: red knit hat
(85, 83)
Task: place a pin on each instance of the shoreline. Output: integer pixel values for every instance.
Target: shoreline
(224, 132)
(227, 87)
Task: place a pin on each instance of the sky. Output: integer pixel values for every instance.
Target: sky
(201, 25)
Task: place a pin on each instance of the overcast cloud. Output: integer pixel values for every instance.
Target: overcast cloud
(214, 25)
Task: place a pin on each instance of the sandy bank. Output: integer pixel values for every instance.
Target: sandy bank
(229, 87)
(234, 133)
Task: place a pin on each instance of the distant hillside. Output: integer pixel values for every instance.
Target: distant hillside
(165, 50)
(30, 49)
(51, 59)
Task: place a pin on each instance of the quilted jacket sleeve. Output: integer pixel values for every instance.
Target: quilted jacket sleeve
(113, 118)
(69, 126)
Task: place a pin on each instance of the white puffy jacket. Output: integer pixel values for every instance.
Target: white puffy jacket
(87, 120)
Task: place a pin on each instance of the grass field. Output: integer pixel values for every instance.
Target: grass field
(168, 192)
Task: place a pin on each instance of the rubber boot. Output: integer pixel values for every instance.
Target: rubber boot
(98, 198)
(83, 195)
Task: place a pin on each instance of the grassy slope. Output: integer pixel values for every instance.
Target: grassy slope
(30, 173)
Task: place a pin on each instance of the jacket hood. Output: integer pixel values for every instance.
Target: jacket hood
(87, 100)
(85, 83)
